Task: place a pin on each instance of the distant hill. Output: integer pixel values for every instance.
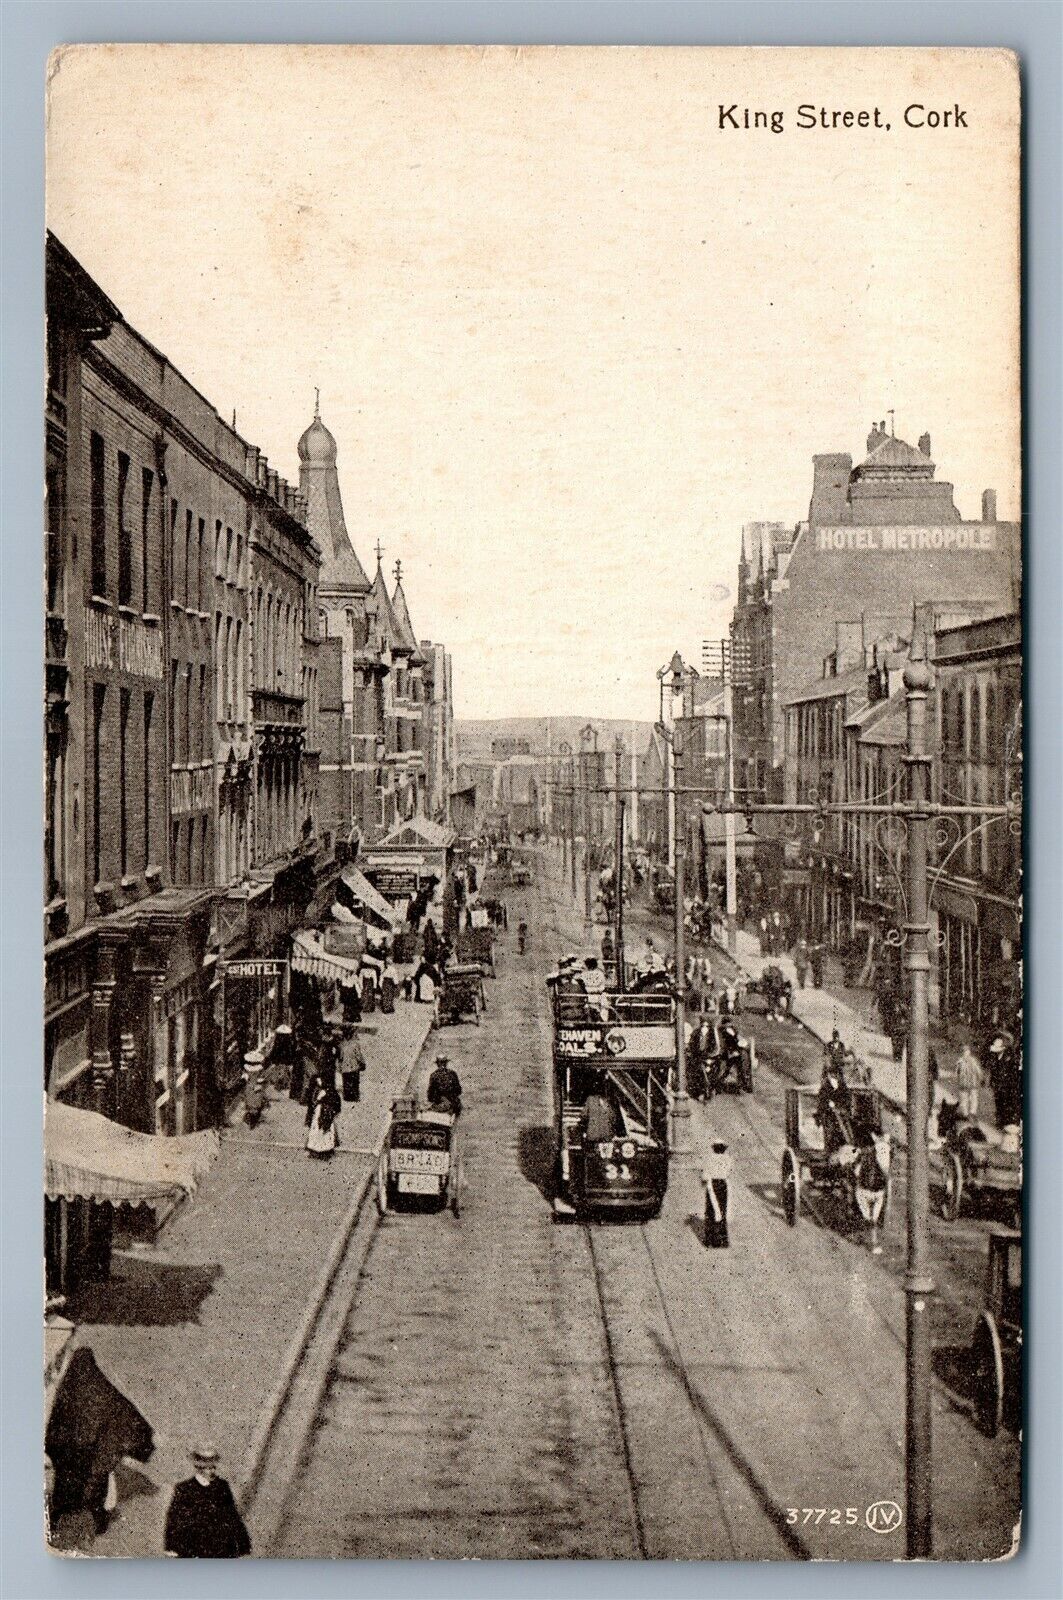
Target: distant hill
(474, 736)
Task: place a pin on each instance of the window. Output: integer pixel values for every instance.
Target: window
(217, 550)
(99, 695)
(204, 873)
(147, 482)
(125, 539)
(175, 847)
(228, 554)
(175, 668)
(975, 725)
(188, 561)
(53, 488)
(204, 749)
(54, 828)
(123, 796)
(238, 686)
(201, 544)
(186, 734)
(149, 706)
(98, 515)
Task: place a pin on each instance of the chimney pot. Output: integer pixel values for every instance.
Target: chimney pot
(989, 505)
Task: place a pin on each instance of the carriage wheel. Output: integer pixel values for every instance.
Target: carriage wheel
(952, 1187)
(987, 1371)
(748, 1063)
(456, 1188)
(382, 1185)
(791, 1187)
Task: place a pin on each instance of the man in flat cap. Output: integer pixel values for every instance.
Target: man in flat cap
(203, 1519)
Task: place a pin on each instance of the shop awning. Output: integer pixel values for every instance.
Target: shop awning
(89, 1157)
(369, 897)
(310, 956)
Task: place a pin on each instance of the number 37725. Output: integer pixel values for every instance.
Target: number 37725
(830, 1516)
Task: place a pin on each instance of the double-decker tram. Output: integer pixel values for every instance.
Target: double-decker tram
(613, 1055)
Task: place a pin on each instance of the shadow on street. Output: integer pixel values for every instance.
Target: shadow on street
(146, 1294)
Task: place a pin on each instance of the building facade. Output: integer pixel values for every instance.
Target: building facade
(880, 538)
(154, 522)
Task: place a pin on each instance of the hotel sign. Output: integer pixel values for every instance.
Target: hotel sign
(959, 536)
(122, 644)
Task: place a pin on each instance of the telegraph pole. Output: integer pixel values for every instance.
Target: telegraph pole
(918, 1284)
(618, 866)
(680, 1100)
(729, 815)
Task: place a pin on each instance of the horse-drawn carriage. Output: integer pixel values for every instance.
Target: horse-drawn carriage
(730, 1058)
(421, 1159)
(977, 1160)
(773, 988)
(841, 1149)
(460, 995)
(476, 947)
(996, 1348)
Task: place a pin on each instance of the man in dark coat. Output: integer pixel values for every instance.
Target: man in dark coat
(92, 1426)
(444, 1087)
(202, 1519)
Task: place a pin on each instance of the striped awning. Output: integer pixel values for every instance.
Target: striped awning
(371, 898)
(310, 956)
(89, 1157)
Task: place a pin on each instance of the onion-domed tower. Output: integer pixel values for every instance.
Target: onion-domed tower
(341, 571)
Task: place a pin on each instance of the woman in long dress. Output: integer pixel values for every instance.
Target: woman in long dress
(321, 1117)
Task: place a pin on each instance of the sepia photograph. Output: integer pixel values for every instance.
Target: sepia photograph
(533, 803)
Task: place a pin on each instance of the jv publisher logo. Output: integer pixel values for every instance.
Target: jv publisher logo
(885, 1516)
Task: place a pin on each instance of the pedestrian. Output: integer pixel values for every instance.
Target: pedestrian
(969, 1082)
(716, 1176)
(354, 1064)
(801, 962)
(203, 1519)
(764, 939)
(322, 1114)
(351, 1001)
(91, 1428)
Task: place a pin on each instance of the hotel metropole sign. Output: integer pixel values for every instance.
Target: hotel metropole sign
(953, 536)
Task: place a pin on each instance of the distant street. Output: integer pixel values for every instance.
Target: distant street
(509, 1386)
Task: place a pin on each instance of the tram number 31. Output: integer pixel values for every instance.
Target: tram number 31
(617, 1172)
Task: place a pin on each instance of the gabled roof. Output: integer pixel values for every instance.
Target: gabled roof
(418, 831)
(892, 728)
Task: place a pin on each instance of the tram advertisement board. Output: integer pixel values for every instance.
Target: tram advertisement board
(601, 1041)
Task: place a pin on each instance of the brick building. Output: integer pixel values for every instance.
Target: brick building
(880, 537)
(153, 506)
(978, 889)
(846, 738)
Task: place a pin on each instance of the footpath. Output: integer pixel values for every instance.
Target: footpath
(202, 1330)
(820, 1011)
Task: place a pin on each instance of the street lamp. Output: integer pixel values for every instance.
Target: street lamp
(676, 675)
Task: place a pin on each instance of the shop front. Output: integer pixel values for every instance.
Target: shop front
(93, 1167)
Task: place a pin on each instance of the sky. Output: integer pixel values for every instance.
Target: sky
(569, 332)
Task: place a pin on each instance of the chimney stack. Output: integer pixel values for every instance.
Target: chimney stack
(989, 505)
